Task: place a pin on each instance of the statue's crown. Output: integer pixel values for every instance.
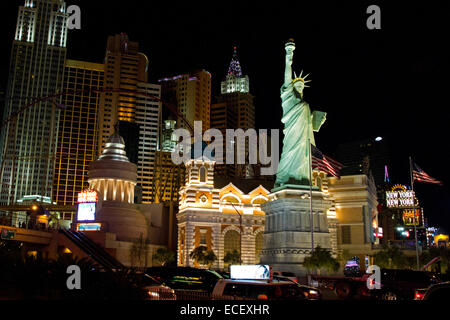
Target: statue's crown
(299, 78)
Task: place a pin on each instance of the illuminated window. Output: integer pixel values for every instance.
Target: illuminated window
(258, 246)
(202, 174)
(319, 182)
(232, 241)
(346, 234)
(259, 201)
(232, 199)
(203, 237)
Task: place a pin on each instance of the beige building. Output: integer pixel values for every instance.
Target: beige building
(219, 215)
(125, 67)
(355, 200)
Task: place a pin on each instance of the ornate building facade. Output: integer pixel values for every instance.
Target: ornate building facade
(221, 218)
(216, 211)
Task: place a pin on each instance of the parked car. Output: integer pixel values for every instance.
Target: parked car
(155, 289)
(398, 284)
(185, 278)
(435, 292)
(286, 274)
(311, 293)
(257, 290)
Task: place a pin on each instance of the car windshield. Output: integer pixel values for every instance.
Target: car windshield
(146, 280)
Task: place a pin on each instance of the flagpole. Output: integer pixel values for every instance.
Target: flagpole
(414, 211)
(311, 220)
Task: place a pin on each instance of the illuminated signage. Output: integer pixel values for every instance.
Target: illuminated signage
(8, 234)
(379, 234)
(408, 217)
(88, 227)
(250, 272)
(87, 196)
(400, 197)
(86, 211)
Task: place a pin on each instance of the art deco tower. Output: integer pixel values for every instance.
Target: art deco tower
(28, 141)
(234, 109)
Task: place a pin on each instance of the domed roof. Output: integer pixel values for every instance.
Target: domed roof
(114, 149)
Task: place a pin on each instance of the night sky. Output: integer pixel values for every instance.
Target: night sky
(392, 82)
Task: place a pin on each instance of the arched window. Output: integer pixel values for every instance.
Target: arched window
(232, 241)
(230, 199)
(258, 246)
(202, 174)
(259, 200)
(319, 182)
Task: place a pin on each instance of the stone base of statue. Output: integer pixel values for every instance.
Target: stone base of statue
(287, 234)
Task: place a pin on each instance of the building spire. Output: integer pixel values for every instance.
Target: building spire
(235, 66)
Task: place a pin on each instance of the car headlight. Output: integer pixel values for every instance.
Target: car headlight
(153, 295)
(313, 292)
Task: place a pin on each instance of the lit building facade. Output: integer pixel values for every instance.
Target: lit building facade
(221, 218)
(192, 93)
(148, 117)
(77, 137)
(28, 141)
(167, 178)
(125, 67)
(355, 202)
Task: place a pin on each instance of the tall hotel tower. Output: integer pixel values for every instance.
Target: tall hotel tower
(234, 109)
(192, 94)
(133, 105)
(28, 141)
(78, 129)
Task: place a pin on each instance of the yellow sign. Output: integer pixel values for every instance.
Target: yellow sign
(408, 217)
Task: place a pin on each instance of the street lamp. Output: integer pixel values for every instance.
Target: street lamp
(240, 234)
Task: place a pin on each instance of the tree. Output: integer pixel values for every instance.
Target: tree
(232, 257)
(139, 252)
(321, 259)
(344, 256)
(164, 256)
(390, 256)
(203, 256)
(443, 266)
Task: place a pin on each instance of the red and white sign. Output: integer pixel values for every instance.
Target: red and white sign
(87, 196)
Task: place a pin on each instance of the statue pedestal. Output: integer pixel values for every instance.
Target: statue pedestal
(287, 234)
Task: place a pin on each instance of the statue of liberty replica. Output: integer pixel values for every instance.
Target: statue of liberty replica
(299, 124)
(296, 213)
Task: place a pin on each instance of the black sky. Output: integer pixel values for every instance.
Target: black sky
(392, 82)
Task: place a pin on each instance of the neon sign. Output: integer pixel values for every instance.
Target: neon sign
(408, 217)
(87, 196)
(400, 197)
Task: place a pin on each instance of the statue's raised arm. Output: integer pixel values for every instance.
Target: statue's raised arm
(290, 47)
(294, 167)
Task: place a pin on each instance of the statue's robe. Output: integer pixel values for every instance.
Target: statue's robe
(294, 164)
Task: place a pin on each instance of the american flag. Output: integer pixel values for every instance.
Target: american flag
(421, 176)
(325, 163)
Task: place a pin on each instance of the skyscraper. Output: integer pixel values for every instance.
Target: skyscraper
(367, 156)
(77, 138)
(148, 117)
(28, 140)
(192, 95)
(125, 66)
(133, 105)
(234, 109)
